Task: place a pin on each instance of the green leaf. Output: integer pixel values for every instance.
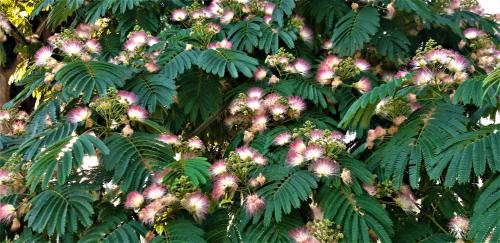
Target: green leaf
(60, 158)
(276, 232)
(199, 96)
(475, 92)
(270, 38)
(115, 228)
(245, 34)
(356, 214)
(355, 29)
(82, 78)
(153, 89)
(220, 60)
(307, 89)
(182, 230)
(176, 61)
(194, 168)
(60, 210)
(484, 221)
(392, 43)
(144, 17)
(282, 8)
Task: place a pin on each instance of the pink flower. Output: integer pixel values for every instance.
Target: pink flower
(277, 110)
(169, 139)
(147, 214)
(472, 33)
(43, 55)
(269, 8)
(84, 31)
(294, 158)
(7, 212)
(306, 34)
(195, 143)
(282, 139)
(5, 175)
(137, 113)
(72, 48)
(93, 46)
(140, 38)
(197, 204)
(18, 127)
(154, 191)
(325, 167)
(301, 66)
(218, 168)
(255, 92)
(260, 74)
(316, 135)
(324, 76)
(423, 76)
(253, 204)
(459, 226)
(457, 64)
(370, 189)
(179, 15)
(4, 115)
(259, 123)
(362, 64)
(296, 103)
(253, 103)
(223, 183)
(406, 200)
(298, 146)
(134, 200)
(78, 114)
(363, 85)
(337, 135)
(313, 152)
(271, 99)
(151, 67)
(227, 17)
(302, 235)
(153, 40)
(127, 97)
(259, 159)
(245, 152)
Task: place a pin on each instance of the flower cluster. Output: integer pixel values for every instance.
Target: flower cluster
(333, 70)
(484, 52)
(189, 148)
(439, 67)
(255, 109)
(136, 54)
(317, 231)
(459, 226)
(13, 122)
(407, 201)
(318, 148)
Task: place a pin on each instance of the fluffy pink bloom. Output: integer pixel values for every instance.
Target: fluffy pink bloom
(93, 46)
(151, 67)
(362, 64)
(296, 103)
(154, 191)
(271, 99)
(267, 19)
(255, 92)
(253, 204)
(306, 34)
(314, 152)
(277, 109)
(324, 76)
(370, 189)
(473, 33)
(302, 235)
(327, 44)
(282, 139)
(4, 175)
(195, 143)
(127, 97)
(259, 159)
(179, 15)
(4, 115)
(223, 183)
(269, 8)
(227, 17)
(337, 135)
(147, 214)
(169, 139)
(140, 38)
(330, 62)
(78, 114)
(294, 158)
(458, 64)
(259, 123)
(423, 76)
(134, 200)
(325, 167)
(72, 48)
(260, 74)
(245, 152)
(253, 103)
(137, 113)
(197, 204)
(459, 226)
(18, 127)
(7, 212)
(298, 146)
(153, 40)
(301, 66)
(43, 55)
(406, 200)
(84, 31)
(218, 168)
(316, 135)
(363, 85)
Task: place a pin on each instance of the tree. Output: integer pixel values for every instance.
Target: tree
(250, 121)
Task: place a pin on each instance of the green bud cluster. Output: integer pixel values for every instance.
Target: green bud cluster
(325, 231)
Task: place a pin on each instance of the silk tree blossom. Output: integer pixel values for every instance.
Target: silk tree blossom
(260, 74)
(84, 31)
(195, 143)
(151, 67)
(278, 110)
(137, 113)
(179, 15)
(407, 201)
(154, 191)
(7, 213)
(294, 158)
(245, 152)
(257, 181)
(306, 34)
(127, 97)
(140, 38)
(72, 48)
(134, 200)
(298, 146)
(43, 56)
(473, 33)
(259, 123)
(147, 214)
(296, 103)
(302, 235)
(223, 184)
(18, 127)
(255, 92)
(370, 189)
(259, 159)
(4, 115)
(197, 204)
(459, 226)
(227, 17)
(79, 114)
(218, 168)
(324, 167)
(301, 66)
(269, 8)
(169, 139)
(316, 135)
(253, 103)
(363, 85)
(93, 46)
(424, 76)
(282, 139)
(313, 152)
(362, 64)
(254, 204)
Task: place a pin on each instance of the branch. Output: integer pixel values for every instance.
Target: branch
(13, 31)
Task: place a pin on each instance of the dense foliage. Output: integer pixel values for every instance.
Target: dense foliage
(253, 121)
